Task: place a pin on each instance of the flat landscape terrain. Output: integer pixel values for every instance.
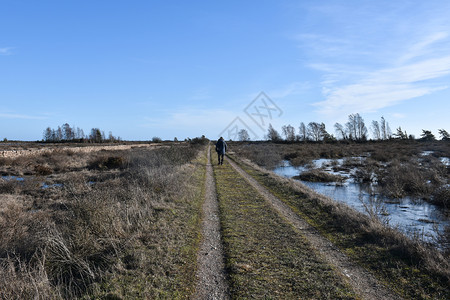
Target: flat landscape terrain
(165, 221)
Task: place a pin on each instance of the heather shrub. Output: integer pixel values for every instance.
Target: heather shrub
(316, 175)
(9, 186)
(367, 172)
(107, 162)
(441, 196)
(42, 170)
(5, 161)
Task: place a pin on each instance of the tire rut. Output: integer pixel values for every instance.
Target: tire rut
(362, 281)
(211, 275)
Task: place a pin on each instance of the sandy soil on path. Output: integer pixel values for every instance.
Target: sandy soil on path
(212, 283)
(363, 282)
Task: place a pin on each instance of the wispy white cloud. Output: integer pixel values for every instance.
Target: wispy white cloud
(21, 116)
(398, 115)
(415, 75)
(384, 88)
(6, 51)
(423, 47)
(330, 46)
(372, 57)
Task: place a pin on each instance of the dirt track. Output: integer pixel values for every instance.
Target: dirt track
(363, 282)
(211, 275)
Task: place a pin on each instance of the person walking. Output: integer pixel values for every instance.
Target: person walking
(221, 148)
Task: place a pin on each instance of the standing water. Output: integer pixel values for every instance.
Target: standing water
(413, 217)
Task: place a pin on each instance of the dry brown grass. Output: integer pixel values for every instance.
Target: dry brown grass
(316, 175)
(128, 228)
(397, 166)
(414, 269)
(265, 256)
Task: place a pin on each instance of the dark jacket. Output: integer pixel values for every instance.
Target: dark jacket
(221, 146)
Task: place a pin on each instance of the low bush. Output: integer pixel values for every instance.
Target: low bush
(316, 175)
(5, 161)
(107, 163)
(42, 170)
(199, 141)
(10, 186)
(441, 196)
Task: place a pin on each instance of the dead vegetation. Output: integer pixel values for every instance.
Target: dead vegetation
(266, 258)
(102, 225)
(399, 168)
(410, 267)
(316, 175)
(395, 169)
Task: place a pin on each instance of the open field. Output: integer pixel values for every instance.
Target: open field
(132, 223)
(398, 168)
(112, 224)
(14, 150)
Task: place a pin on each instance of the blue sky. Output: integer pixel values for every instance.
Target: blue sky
(185, 68)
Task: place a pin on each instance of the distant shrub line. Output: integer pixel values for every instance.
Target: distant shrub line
(66, 133)
(354, 130)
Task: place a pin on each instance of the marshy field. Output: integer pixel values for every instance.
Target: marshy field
(404, 182)
(127, 221)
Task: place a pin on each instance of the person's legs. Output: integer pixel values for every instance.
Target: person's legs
(221, 159)
(218, 156)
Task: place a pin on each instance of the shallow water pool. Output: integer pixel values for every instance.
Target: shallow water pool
(413, 217)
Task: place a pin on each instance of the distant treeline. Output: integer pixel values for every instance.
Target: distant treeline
(354, 130)
(66, 133)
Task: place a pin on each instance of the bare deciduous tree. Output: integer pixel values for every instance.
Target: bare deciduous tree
(314, 130)
(376, 130)
(58, 134)
(96, 135)
(68, 133)
(325, 136)
(273, 135)
(385, 129)
(289, 133)
(243, 135)
(340, 131)
(48, 134)
(303, 134)
(356, 128)
(79, 134)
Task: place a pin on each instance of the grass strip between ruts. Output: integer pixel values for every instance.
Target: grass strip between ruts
(264, 256)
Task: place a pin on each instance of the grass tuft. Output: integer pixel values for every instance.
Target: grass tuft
(316, 175)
